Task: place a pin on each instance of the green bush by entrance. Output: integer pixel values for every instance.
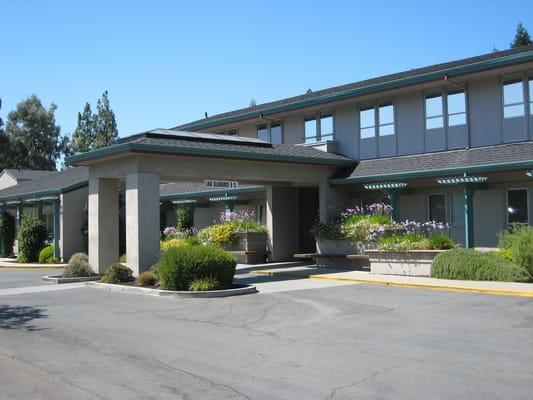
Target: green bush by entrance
(517, 245)
(117, 273)
(179, 267)
(7, 233)
(47, 255)
(31, 237)
(78, 266)
(466, 264)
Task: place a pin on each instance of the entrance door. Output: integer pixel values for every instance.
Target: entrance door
(457, 226)
(307, 215)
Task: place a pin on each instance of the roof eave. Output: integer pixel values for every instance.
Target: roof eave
(395, 84)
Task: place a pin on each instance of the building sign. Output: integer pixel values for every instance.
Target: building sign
(214, 184)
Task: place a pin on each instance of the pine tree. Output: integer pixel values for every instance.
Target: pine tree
(83, 136)
(106, 132)
(521, 37)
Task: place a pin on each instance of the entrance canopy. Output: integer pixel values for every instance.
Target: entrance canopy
(152, 157)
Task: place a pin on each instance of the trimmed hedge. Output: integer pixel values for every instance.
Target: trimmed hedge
(31, 237)
(466, 264)
(47, 255)
(178, 267)
(7, 233)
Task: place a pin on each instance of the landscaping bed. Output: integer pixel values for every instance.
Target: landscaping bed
(410, 263)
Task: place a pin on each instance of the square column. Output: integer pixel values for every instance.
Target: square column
(282, 222)
(103, 223)
(142, 221)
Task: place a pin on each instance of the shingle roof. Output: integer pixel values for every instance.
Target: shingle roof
(161, 141)
(49, 184)
(27, 174)
(452, 68)
(194, 189)
(477, 159)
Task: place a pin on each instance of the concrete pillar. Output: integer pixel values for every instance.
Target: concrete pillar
(142, 221)
(282, 222)
(103, 223)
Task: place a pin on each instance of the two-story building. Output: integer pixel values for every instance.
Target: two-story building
(451, 142)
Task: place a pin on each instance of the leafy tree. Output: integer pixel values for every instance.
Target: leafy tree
(94, 131)
(521, 37)
(5, 147)
(34, 136)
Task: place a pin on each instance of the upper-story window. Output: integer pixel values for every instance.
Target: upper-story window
(319, 127)
(270, 132)
(230, 132)
(513, 98)
(451, 104)
(377, 119)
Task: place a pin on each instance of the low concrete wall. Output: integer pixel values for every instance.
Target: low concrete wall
(411, 263)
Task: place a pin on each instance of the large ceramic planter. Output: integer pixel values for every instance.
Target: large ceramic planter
(250, 248)
(410, 263)
(336, 247)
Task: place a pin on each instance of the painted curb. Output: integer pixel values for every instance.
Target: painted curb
(59, 279)
(249, 289)
(449, 288)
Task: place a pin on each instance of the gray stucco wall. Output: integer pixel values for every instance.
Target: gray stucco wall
(73, 219)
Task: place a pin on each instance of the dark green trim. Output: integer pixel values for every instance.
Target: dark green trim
(42, 193)
(388, 85)
(207, 193)
(434, 173)
(162, 149)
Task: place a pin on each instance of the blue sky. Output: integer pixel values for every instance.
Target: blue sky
(167, 62)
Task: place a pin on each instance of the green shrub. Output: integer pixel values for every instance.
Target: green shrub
(517, 244)
(406, 242)
(227, 232)
(203, 284)
(78, 266)
(466, 264)
(440, 242)
(7, 233)
(184, 216)
(178, 267)
(122, 259)
(146, 278)
(330, 230)
(47, 255)
(117, 273)
(31, 237)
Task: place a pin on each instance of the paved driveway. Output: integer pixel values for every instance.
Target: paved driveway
(298, 341)
(13, 278)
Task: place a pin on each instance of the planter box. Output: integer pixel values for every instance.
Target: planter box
(336, 247)
(410, 263)
(250, 248)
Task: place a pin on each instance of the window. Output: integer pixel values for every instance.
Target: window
(434, 112)
(437, 207)
(386, 119)
(513, 99)
(456, 108)
(230, 132)
(517, 206)
(367, 122)
(270, 132)
(319, 127)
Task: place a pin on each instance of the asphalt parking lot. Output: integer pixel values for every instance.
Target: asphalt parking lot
(297, 339)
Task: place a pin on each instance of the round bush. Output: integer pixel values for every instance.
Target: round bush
(465, 264)
(78, 266)
(31, 237)
(204, 284)
(117, 273)
(47, 255)
(146, 278)
(178, 267)
(517, 244)
(7, 233)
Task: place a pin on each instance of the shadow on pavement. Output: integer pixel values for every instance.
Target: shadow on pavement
(20, 317)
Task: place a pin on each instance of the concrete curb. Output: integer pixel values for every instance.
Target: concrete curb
(171, 293)
(386, 282)
(59, 279)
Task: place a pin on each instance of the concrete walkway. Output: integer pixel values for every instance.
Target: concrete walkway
(496, 288)
(13, 263)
